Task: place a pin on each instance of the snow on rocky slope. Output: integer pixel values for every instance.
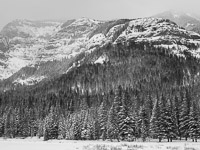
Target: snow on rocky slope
(184, 19)
(65, 41)
(25, 39)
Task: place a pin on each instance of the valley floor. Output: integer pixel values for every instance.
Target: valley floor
(39, 144)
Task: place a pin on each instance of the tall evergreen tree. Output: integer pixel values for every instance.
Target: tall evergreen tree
(169, 124)
(112, 125)
(144, 123)
(51, 126)
(184, 117)
(177, 117)
(126, 125)
(103, 120)
(194, 124)
(157, 125)
(61, 128)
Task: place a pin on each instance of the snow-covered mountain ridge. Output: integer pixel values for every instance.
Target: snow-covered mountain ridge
(184, 19)
(71, 39)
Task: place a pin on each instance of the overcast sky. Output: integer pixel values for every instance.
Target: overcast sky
(96, 9)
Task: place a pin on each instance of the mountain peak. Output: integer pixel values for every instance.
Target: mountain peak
(184, 19)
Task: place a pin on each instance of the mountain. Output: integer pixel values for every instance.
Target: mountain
(49, 57)
(22, 41)
(187, 20)
(37, 54)
(93, 77)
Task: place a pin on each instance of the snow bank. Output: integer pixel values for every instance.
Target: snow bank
(39, 144)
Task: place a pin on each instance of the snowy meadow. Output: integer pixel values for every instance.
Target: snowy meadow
(39, 144)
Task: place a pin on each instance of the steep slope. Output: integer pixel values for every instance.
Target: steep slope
(187, 20)
(77, 39)
(57, 47)
(24, 39)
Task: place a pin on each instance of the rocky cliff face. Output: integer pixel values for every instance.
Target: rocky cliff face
(43, 50)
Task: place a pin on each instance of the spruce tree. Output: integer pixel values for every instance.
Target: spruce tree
(102, 120)
(112, 125)
(61, 128)
(177, 116)
(157, 125)
(126, 125)
(144, 123)
(194, 126)
(51, 126)
(113, 117)
(184, 118)
(1, 127)
(169, 124)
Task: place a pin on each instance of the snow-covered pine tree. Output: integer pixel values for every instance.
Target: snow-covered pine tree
(95, 130)
(85, 129)
(157, 125)
(112, 125)
(1, 127)
(169, 123)
(194, 126)
(126, 102)
(51, 126)
(61, 127)
(69, 126)
(77, 130)
(126, 125)
(184, 117)
(40, 131)
(16, 122)
(102, 119)
(144, 123)
(153, 120)
(176, 115)
(113, 116)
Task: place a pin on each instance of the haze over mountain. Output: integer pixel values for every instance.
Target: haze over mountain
(187, 20)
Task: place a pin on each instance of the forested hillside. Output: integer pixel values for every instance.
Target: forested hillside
(136, 91)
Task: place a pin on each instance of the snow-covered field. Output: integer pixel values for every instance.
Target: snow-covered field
(39, 144)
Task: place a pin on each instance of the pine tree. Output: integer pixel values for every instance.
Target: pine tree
(102, 120)
(61, 128)
(51, 126)
(177, 116)
(184, 118)
(40, 131)
(126, 125)
(144, 123)
(77, 130)
(157, 126)
(112, 125)
(113, 116)
(194, 126)
(95, 130)
(1, 127)
(153, 120)
(169, 124)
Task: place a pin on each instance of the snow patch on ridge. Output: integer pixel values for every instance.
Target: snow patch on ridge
(29, 81)
(101, 59)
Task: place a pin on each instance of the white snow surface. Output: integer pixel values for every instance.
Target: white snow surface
(30, 80)
(39, 144)
(96, 40)
(101, 60)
